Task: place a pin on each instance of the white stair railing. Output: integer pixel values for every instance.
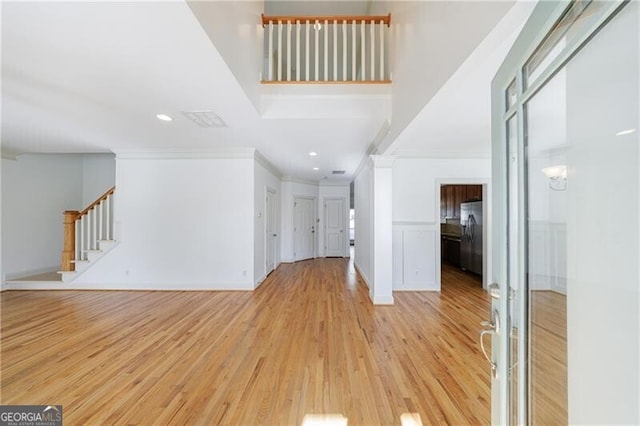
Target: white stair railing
(84, 230)
(325, 49)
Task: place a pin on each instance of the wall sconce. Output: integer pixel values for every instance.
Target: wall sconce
(557, 177)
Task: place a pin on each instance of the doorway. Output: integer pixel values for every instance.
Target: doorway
(565, 308)
(462, 231)
(304, 228)
(334, 229)
(270, 231)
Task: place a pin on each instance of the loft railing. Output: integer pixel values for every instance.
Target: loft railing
(83, 230)
(326, 49)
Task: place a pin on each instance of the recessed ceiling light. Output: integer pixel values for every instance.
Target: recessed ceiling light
(315, 168)
(625, 132)
(163, 117)
(313, 153)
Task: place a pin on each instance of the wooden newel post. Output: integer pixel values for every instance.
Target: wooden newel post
(69, 248)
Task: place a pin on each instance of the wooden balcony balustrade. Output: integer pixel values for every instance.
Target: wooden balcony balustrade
(326, 49)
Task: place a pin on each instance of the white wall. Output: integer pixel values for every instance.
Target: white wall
(421, 62)
(290, 190)
(263, 179)
(236, 31)
(333, 191)
(98, 175)
(36, 190)
(416, 215)
(181, 223)
(363, 205)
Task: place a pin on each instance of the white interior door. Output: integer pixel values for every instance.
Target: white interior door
(304, 228)
(565, 317)
(271, 234)
(334, 231)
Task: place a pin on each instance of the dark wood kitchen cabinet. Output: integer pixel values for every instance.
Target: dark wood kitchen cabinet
(450, 250)
(451, 196)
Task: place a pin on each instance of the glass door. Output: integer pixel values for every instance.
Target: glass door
(565, 321)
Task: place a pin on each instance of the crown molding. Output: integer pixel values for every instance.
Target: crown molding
(262, 160)
(442, 154)
(231, 153)
(298, 180)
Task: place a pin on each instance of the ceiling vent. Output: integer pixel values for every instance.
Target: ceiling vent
(338, 172)
(205, 118)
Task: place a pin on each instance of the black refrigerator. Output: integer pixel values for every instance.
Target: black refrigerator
(471, 238)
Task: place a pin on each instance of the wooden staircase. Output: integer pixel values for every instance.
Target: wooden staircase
(88, 236)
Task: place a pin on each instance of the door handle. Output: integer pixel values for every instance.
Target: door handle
(494, 291)
(275, 235)
(491, 329)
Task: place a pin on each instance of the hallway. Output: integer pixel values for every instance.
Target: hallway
(307, 341)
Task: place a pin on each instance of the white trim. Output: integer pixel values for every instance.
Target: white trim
(315, 224)
(382, 161)
(383, 300)
(425, 224)
(298, 180)
(365, 160)
(457, 155)
(231, 153)
(334, 183)
(56, 285)
(487, 227)
(362, 275)
(262, 160)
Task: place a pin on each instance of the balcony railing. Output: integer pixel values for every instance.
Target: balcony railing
(326, 49)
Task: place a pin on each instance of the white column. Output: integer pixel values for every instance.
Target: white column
(289, 51)
(270, 70)
(382, 291)
(280, 55)
(326, 50)
(381, 50)
(363, 45)
(307, 51)
(344, 50)
(316, 77)
(100, 208)
(353, 51)
(335, 50)
(297, 50)
(372, 34)
(109, 219)
(78, 240)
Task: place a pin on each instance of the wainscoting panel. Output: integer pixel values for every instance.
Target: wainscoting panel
(414, 256)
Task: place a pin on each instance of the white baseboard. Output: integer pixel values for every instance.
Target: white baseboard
(382, 300)
(364, 277)
(415, 287)
(57, 285)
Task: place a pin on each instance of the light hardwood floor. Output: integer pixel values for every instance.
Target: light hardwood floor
(549, 358)
(308, 341)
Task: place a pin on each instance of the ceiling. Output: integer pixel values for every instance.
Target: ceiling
(90, 77)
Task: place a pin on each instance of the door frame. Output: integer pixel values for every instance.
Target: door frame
(276, 220)
(486, 227)
(345, 222)
(509, 259)
(314, 212)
